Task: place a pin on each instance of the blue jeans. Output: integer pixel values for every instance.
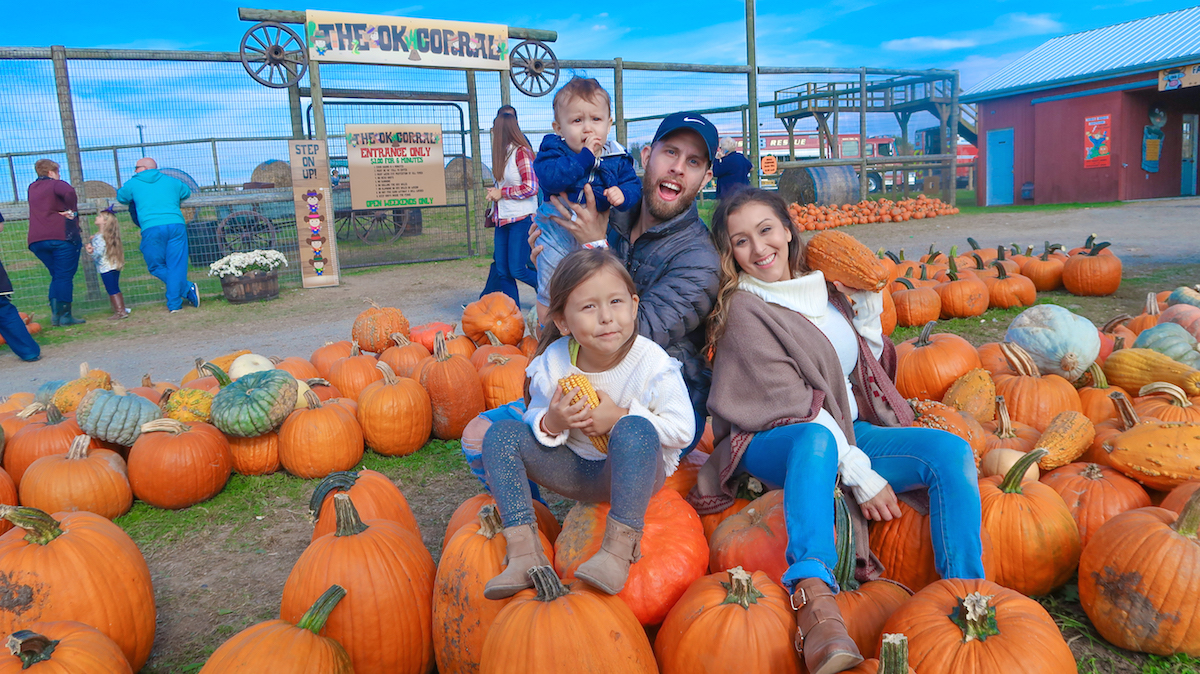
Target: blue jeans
(510, 260)
(62, 261)
(166, 252)
(112, 281)
(556, 243)
(802, 459)
(13, 330)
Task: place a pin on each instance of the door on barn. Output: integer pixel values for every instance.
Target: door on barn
(1187, 187)
(999, 167)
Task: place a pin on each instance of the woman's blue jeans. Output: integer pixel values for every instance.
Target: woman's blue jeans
(61, 259)
(802, 460)
(510, 260)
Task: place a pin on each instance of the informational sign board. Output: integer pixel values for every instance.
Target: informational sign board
(1179, 78)
(395, 165)
(314, 213)
(338, 37)
(1097, 141)
(769, 164)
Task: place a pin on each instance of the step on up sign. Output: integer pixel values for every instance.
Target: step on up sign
(314, 213)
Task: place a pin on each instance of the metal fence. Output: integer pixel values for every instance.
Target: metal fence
(202, 117)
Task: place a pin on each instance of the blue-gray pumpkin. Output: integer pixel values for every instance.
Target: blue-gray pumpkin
(254, 404)
(1184, 295)
(115, 416)
(1170, 339)
(1058, 341)
(45, 392)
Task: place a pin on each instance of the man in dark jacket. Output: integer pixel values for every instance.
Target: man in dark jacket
(666, 248)
(12, 328)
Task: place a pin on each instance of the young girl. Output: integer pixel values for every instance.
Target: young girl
(109, 255)
(644, 411)
(802, 392)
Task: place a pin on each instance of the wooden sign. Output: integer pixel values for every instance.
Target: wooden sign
(769, 164)
(314, 213)
(395, 165)
(1179, 78)
(393, 40)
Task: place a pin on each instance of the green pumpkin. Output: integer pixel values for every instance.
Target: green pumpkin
(1184, 295)
(255, 403)
(115, 416)
(1170, 339)
(45, 392)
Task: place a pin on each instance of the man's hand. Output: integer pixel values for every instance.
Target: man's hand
(561, 415)
(615, 196)
(494, 194)
(587, 224)
(883, 507)
(605, 416)
(534, 249)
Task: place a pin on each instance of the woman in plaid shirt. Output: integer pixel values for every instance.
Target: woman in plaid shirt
(515, 197)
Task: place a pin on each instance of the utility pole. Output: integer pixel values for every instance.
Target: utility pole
(141, 139)
(751, 142)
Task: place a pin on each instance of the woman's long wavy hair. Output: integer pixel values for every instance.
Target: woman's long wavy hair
(730, 270)
(574, 269)
(505, 133)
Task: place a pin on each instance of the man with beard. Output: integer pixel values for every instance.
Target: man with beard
(666, 248)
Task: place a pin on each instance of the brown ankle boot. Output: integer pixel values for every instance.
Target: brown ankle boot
(820, 631)
(118, 306)
(524, 552)
(609, 568)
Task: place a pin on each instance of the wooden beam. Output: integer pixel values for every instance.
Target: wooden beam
(291, 16)
(389, 95)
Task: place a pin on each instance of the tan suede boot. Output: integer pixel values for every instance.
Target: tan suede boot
(118, 306)
(524, 551)
(609, 568)
(820, 631)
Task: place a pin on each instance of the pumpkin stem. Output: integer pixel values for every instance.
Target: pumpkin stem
(892, 256)
(547, 584)
(1125, 413)
(313, 400)
(1095, 250)
(1019, 360)
(389, 375)
(31, 410)
(1092, 471)
(172, 426)
(974, 244)
(490, 524)
(1046, 253)
(348, 521)
(1114, 322)
(923, 338)
(1188, 522)
(979, 263)
(400, 339)
(975, 617)
(79, 447)
(952, 259)
(893, 654)
(1178, 397)
(498, 359)
(215, 370)
(1002, 253)
(492, 339)
(1004, 428)
(54, 415)
(1099, 381)
(1012, 479)
(83, 370)
(843, 571)
(740, 588)
(341, 480)
(41, 528)
(905, 281)
(355, 350)
(932, 256)
(440, 352)
(118, 389)
(924, 270)
(1001, 272)
(1152, 304)
(146, 381)
(314, 618)
(30, 647)
(1087, 243)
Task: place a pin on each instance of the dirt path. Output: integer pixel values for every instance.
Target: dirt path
(1143, 234)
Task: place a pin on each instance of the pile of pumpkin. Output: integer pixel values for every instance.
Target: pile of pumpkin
(33, 326)
(813, 217)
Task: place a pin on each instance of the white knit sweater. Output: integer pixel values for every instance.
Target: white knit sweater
(647, 382)
(808, 295)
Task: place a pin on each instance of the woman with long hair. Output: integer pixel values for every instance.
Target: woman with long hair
(802, 397)
(514, 201)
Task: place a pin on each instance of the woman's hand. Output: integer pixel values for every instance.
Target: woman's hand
(561, 415)
(493, 194)
(581, 220)
(883, 507)
(605, 416)
(534, 248)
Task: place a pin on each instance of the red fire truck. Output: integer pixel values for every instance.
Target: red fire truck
(808, 147)
(929, 141)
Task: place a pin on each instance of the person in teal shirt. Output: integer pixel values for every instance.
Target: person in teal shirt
(164, 235)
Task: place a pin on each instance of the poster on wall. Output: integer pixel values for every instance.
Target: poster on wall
(1179, 78)
(395, 165)
(338, 37)
(314, 213)
(1097, 141)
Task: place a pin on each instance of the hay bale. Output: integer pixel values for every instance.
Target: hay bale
(98, 189)
(821, 185)
(454, 174)
(274, 171)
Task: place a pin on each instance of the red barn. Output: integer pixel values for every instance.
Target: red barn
(1105, 115)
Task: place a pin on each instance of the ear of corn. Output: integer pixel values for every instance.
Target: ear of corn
(586, 390)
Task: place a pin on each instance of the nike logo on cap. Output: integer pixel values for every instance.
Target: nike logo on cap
(690, 119)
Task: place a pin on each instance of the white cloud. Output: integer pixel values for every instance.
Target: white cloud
(976, 68)
(599, 27)
(1029, 24)
(927, 44)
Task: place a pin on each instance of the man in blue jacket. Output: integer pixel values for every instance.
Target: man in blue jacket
(164, 234)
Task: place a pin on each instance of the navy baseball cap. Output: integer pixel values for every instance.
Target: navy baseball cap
(693, 121)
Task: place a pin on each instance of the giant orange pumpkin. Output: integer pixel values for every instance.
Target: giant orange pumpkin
(385, 621)
(175, 464)
(77, 566)
(317, 441)
(1095, 494)
(746, 616)
(375, 497)
(395, 414)
(65, 646)
(674, 552)
(927, 365)
(455, 391)
(468, 513)
(495, 312)
(96, 481)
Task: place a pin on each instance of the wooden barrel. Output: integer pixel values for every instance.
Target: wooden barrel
(821, 185)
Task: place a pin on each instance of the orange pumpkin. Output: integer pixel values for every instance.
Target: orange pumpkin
(317, 441)
(95, 481)
(1011, 290)
(1167, 402)
(754, 539)
(1045, 271)
(1092, 274)
(468, 512)
(174, 464)
(1178, 497)
(11, 422)
(404, 356)
(503, 379)
(38, 439)
(353, 373)
(915, 305)
(528, 346)
(1004, 433)
(374, 327)
(455, 392)
(1126, 419)
(962, 297)
(930, 414)
(686, 473)
(325, 356)
(299, 368)
(459, 344)
(495, 312)
(255, 456)
(1031, 398)
(993, 360)
(904, 545)
(1095, 400)
(423, 334)
(712, 521)
(1095, 494)
(395, 414)
(1147, 319)
(16, 402)
(674, 552)
(492, 345)
(63, 646)
(927, 365)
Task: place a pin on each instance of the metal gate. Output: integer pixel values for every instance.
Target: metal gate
(368, 238)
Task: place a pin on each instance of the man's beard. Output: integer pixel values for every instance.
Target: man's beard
(662, 210)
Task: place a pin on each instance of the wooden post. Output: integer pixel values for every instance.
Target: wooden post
(505, 89)
(476, 191)
(619, 101)
(904, 148)
(216, 164)
(835, 142)
(318, 101)
(823, 134)
(66, 112)
(952, 183)
(752, 90)
(745, 132)
(297, 114)
(117, 167)
(863, 180)
(790, 124)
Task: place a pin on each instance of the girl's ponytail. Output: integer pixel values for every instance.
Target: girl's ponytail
(110, 231)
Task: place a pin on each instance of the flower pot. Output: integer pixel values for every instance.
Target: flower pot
(252, 287)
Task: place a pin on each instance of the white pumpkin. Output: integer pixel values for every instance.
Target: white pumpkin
(1000, 461)
(301, 403)
(1060, 342)
(247, 363)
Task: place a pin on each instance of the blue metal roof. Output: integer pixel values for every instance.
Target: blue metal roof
(1143, 45)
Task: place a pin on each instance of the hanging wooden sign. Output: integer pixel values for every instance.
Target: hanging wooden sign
(314, 213)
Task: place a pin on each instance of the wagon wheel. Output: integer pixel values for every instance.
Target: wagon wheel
(378, 227)
(343, 225)
(534, 68)
(244, 231)
(274, 55)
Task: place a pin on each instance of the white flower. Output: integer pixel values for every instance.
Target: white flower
(237, 264)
